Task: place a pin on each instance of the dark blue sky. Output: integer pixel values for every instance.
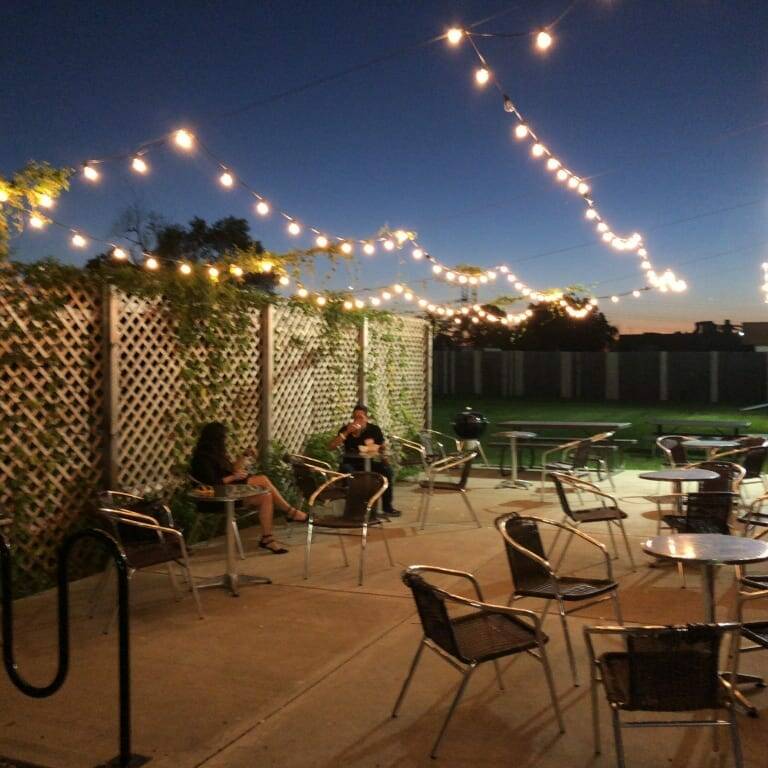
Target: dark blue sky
(657, 99)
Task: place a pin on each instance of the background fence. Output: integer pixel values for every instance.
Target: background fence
(103, 402)
(714, 377)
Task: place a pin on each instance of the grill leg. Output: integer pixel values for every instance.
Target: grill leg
(568, 645)
(307, 550)
(454, 704)
(407, 681)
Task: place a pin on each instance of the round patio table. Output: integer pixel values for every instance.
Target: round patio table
(678, 476)
(514, 481)
(711, 446)
(228, 495)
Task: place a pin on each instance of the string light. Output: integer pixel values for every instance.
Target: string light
(369, 249)
(321, 241)
(294, 228)
(90, 173)
(213, 273)
(236, 270)
(321, 301)
(4, 196)
(482, 76)
(185, 268)
(521, 131)
(46, 201)
(537, 150)
(226, 179)
(284, 280)
(302, 293)
(262, 208)
(346, 247)
(152, 263)
(417, 253)
(389, 245)
(543, 40)
(36, 222)
(454, 35)
(119, 254)
(139, 164)
(184, 139)
(78, 240)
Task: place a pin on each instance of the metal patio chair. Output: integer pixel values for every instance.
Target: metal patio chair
(756, 517)
(673, 450)
(146, 544)
(533, 576)
(579, 454)
(309, 474)
(608, 511)
(454, 462)
(664, 669)
(488, 633)
(751, 455)
(704, 512)
(361, 492)
(729, 476)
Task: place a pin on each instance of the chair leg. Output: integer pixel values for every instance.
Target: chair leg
(407, 681)
(613, 541)
(471, 509)
(551, 685)
(307, 550)
(193, 587)
(454, 703)
(617, 607)
(98, 590)
(626, 544)
(565, 549)
(568, 645)
(238, 542)
(363, 542)
(681, 571)
(498, 674)
(174, 581)
(427, 503)
(385, 536)
(343, 549)
(738, 759)
(618, 739)
(595, 710)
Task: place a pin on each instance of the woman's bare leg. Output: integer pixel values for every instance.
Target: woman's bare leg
(262, 481)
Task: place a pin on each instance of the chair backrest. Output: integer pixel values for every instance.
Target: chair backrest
(125, 533)
(580, 456)
(362, 491)
(561, 494)
(143, 546)
(709, 512)
(753, 462)
(432, 445)
(433, 613)
(729, 475)
(673, 669)
(751, 441)
(673, 449)
(524, 532)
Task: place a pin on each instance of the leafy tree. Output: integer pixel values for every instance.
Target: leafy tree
(201, 242)
(28, 190)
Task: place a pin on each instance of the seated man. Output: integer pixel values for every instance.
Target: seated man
(359, 431)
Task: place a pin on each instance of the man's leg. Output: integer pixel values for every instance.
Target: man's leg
(386, 499)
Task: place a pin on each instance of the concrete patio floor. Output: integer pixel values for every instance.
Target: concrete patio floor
(305, 673)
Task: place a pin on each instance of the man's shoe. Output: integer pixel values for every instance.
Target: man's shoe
(392, 513)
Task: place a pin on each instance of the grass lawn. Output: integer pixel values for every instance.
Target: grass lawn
(500, 409)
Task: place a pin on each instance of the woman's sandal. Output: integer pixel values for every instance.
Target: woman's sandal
(271, 544)
(290, 516)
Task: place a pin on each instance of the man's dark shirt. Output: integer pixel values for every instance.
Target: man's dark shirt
(353, 442)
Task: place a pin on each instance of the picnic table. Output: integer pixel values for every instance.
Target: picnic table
(731, 427)
(589, 426)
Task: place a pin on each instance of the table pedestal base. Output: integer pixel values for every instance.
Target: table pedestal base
(232, 582)
(514, 484)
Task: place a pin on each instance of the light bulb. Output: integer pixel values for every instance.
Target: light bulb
(119, 254)
(618, 244)
(359, 304)
(562, 175)
(78, 240)
(573, 182)
(431, 307)
(46, 201)
(152, 263)
(185, 269)
(262, 208)
(645, 264)
(529, 313)
(408, 296)
(537, 150)
(401, 236)
(607, 237)
(457, 320)
(184, 139)
(591, 213)
(602, 227)
(636, 294)
(284, 280)
(348, 304)
(491, 275)
(483, 278)
(90, 173)
(583, 188)
(473, 280)
(482, 76)
(504, 269)
(462, 279)
(454, 35)
(441, 310)
(437, 269)
(3, 196)
(226, 179)
(321, 301)
(465, 310)
(213, 273)
(375, 301)
(386, 295)
(139, 164)
(266, 266)
(346, 247)
(397, 288)
(423, 302)
(553, 164)
(294, 228)
(615, 299)
(521, 131)
(450, 276)
(518, 286)
(475, 320)
(369, 248)
(543, 40)
(389, 245)
(417, 253)
(302, 293)
(36, 222)
(642, 252)
(321, 241)
(236, 270)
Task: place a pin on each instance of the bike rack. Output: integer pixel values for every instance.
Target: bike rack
(124, 759)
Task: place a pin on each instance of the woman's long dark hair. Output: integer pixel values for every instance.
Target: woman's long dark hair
(212, 443)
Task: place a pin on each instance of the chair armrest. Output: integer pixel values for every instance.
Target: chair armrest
(138, 520)
(450, 572)
(448, 438)
(449, 462)
(324, 487)
(559, 448)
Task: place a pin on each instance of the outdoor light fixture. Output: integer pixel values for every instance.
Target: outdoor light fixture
(213, 273)
(90, 173)
(482, 76)
(119, 254)
(184, 139)
(294, 228)
(537, 150)
(46, 201)
(346, 247)
(139, 164)
(521, 131)
(369, 249)
(284, 280)
(302, 293)
(36, 222)
(543, 40)
(185, 269)
(417, 253)
(152, 263)
(389, 245)
(262, 208)
(321, 241)
(454, 35)
(78, 240)
(226, 179)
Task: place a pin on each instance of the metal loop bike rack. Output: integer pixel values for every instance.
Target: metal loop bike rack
(124, 759)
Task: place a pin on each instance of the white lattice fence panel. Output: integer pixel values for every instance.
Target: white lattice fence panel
(158, 420)
(396, 372)
(51, 416)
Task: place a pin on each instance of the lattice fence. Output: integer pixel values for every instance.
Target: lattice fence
(51, 417)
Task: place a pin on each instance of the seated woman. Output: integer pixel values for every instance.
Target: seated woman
(211, 465)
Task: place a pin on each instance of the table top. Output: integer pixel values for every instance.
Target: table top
(233, 492)
(711, 548)
(513, 435)
(700, 422)
(599, 425)
(703, 443)
(680, 474)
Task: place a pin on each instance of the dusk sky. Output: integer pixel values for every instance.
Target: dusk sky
(660, 103)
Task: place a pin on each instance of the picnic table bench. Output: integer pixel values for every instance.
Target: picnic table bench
(730, 427)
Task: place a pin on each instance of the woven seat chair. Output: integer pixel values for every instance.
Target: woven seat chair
(663, 669)
(487, 633)
(704, 512)
(608, 511)
(309, 474)
(579, 454)
(672, 449)
(146, 543)
(453, 462)
(756, 517)
(410, 453)
(361, 492)
(751, 454)
(533, 576)
(729, 476)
